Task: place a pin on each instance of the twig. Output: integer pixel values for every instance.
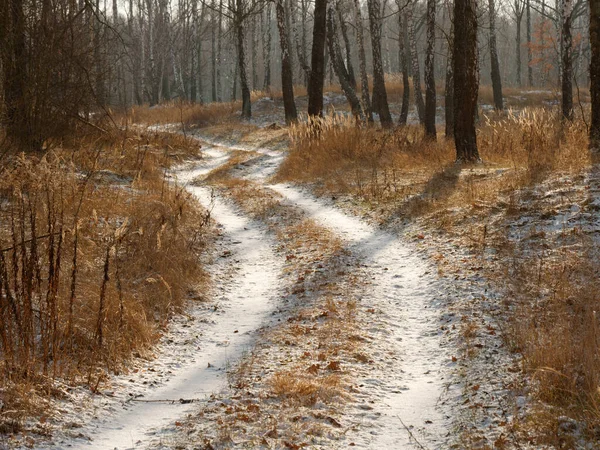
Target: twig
(183, 401)
(421, 446)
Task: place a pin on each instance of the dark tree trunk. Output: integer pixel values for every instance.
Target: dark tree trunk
(449, 88)
(14, 63)
(416, 73)
(496, 79)
(403, 57)
(595, 73)
(340, 69)
(362, 59)
(380, 102)
(287, 77)
(317, 73)
(466, 80)
(430, 130)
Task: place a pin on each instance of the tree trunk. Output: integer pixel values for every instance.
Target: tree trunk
(496, 79)
(518, 19)
(466, 80)
(362, 58)
(213, 48)
(287, 78)
(267, 49)
(344, 30)
(595, 73)
(529, 49)
(340, 69)
(430, 130)
(245, 88)
(14, 65)
(449, 88)
(380, 101)
(415, 64)
(219, 51)
(403, 58)
(567, 61)
(297, 40)
(317, 73)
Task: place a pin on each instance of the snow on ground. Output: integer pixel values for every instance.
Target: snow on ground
(192, 359)
(400, 402)
(402, 399)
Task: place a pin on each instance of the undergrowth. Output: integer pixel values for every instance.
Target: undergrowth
(97, 249)
(551, 291)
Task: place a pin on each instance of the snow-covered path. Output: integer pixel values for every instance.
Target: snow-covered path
(401, 400)
(408, 387)
(246, 300)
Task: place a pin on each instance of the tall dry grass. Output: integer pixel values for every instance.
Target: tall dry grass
(97, 249)
(187, 114)
(551, 288)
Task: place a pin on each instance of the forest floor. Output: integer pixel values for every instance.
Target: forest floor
(332, 323)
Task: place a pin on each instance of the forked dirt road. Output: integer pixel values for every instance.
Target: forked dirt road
(408, 396)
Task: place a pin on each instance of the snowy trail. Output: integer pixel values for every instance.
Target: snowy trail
(408, 387)
(402, 399)
(247, 300)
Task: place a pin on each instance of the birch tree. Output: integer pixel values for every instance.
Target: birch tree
(380, 102)
(416, 73)
(339, 67)
(362, 62)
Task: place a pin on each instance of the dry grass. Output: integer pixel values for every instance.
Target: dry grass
(305, 389)
(552, 295)
(187, 114)
(418, 175)
(97, 249)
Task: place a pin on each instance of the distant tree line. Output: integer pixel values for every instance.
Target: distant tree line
(62, 61)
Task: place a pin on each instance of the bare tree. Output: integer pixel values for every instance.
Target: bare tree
(415, 63)
(403, 56)
(567, 60)
(529, 49)
(267, 46)
(380, 102)
(287, 77)
(496, 78)
(595, 73)
(449, 88)
(430, 94)
(317, 74)
(339, 68)
(466, 80)
(344, 30)
(364, 80)
(518, 8)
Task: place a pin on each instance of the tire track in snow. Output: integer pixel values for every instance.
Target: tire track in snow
(245, 304)
(401, 399)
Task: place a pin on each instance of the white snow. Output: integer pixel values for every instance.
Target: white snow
(408, 388)
(248, 295)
